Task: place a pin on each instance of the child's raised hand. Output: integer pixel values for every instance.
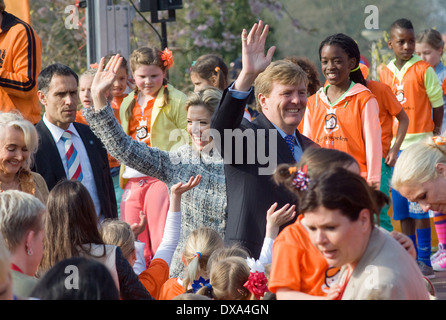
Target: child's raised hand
(181, 188)
(276, 218)
(103, 80)
(178, 189)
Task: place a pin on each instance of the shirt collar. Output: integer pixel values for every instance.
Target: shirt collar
(56, 131)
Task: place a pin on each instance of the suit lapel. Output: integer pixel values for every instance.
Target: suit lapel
(48, 147)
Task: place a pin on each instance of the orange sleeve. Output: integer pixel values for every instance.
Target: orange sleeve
(444, 86)
(18, 76)
(297, 264)
(170, 289)
(155, 276)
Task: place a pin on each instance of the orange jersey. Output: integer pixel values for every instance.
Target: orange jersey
(139, 123)
(297, 264)
(20, 63)
(351, 124)
(389, 107)
(170, 289)
(154, 277)
(411, 93)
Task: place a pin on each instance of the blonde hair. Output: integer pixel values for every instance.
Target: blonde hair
(89, 73)
(235, 250)
(282, 72)
(19, 213)
(118, 233)
(227, 278)
(416, 164)
(15, 120)
(199, 246)
(208, 97)
(147, 56)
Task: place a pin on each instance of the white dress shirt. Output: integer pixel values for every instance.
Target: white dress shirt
(88, 178)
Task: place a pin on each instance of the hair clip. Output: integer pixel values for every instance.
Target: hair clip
(217, 69)
(257, 283)
(198, 284)
(301, 180)
(439, 140)
(166, 56)
(292, 170)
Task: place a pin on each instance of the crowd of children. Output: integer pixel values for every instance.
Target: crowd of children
(361, 125)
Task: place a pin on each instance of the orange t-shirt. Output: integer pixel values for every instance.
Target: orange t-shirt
(389, 107)
(411, 93)
(298, 265)
(154, 277)
(140, 121)
(444, 86)
(170, 289)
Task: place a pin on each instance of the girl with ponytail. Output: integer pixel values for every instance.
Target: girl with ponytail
(344, 114)
(199, 246)
(150, 114)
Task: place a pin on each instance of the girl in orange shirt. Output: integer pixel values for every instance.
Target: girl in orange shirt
(151, 113)
(344, 115)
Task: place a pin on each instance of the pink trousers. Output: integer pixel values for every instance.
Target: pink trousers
(151, 196)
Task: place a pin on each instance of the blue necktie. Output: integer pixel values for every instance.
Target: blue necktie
(290, 142)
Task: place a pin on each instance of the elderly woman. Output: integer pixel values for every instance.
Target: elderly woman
(204, 205)
(18, 143)
(22, 226)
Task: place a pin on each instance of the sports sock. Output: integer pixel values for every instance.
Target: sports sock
(424, 245)
(440, 227)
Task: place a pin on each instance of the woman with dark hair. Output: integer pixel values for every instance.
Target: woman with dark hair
(72, 230)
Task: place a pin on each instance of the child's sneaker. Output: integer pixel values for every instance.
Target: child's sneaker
(439, 264)
(427, 271)
(440, 254)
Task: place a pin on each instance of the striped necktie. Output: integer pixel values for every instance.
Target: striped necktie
(290, 142)
(73, 159)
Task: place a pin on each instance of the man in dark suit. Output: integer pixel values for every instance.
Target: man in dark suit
(252, 150)
(85, 157)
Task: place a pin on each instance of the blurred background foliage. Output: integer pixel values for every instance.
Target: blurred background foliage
(214, 26)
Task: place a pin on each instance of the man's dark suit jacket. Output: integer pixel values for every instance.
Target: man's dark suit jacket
(249, 193)
(48, 164)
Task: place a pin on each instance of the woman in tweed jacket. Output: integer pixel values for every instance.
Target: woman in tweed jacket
(204, 205)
